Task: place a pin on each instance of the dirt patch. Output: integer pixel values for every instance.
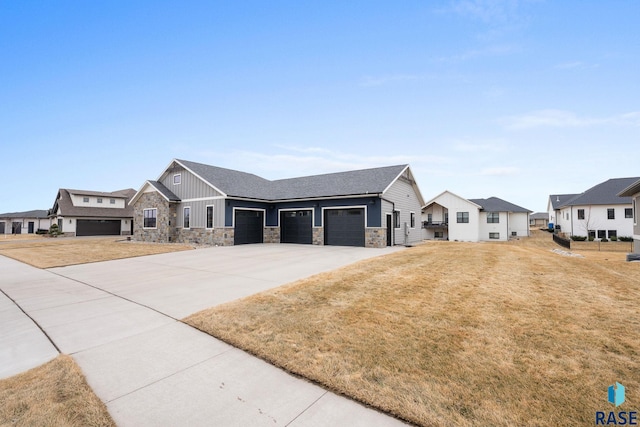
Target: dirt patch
(62, 251)
(53, 394)
(465, 334)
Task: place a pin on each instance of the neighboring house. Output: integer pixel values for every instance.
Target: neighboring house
(553, 208)
(599, 212)
(93, 213)
(451, 217)
(539, 220)
(24, 222)
(633, 191)
(199, 203)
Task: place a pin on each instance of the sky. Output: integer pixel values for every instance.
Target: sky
(516, 99)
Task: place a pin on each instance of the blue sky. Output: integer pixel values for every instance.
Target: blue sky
(514, 99)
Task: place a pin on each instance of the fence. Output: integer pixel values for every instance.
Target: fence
(562, 241)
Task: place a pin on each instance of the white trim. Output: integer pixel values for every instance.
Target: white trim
(173, 181)
(309, 199)
(183, 216)
(213, 217)
(414, 185)
(194, 174)
(313, 214)
(150, 228)
(395, 179)
(136, 196)
(399, 227)
(366, 214)
(239, 208)
(202, 199)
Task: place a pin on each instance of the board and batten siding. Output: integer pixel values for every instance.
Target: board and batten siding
(198, 215)
(403, 195)
(190, 187)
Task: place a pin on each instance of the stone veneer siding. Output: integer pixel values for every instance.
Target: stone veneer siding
(165, 230)
(375, 237)
(271, 235)
(318, 236)
(203, 236)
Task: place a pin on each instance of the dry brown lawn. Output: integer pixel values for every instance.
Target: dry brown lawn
(464, 334)
(53, 394)
(63, 251)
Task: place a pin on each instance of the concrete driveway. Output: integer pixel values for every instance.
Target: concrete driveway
(118, 320)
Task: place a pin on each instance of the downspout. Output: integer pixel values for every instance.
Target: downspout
(393, 225)
(571, 220)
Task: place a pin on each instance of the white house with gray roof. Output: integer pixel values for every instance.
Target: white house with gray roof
(28, 222)
(198, 203)
(598, 212)
(633, 191)
(93, 213)
(451, 217)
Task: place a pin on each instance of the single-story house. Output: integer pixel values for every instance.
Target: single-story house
(473, 220)
(198, 203)
(24, 222)
(633, 191)
(599, 212)
(93, 213)
(539, 220)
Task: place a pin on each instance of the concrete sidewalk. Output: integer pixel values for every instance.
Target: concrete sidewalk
(118, 320)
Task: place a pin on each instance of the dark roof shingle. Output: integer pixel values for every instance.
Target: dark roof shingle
(605, 193)
(495, 204)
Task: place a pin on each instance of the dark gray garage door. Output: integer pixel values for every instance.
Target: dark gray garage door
(249, 227)
(295, 227)
(344, 227)
(98, 227)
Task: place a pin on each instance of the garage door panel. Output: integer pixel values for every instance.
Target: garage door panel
(296, 227)
(248, 227)
(344, 227)
(97, 227)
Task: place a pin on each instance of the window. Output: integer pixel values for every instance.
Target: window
(99, 200)
(580, 213)
(209, 216)
(494, 235)
(514, 234)
(567, 215)
(438, 234)
(602, 234)
(187, 217)
(396, 219)
(112, 201)
(149, 216)
(429, 218)
(413, 220)
(462, 217)
(628, 212)
(493, 217)
(611, 213)
(612, 233)
(177, 178)
(592, 234)
(635, 212)
(446, 217)
(85, 199)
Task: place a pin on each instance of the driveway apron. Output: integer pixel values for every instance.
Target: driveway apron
(119, 321)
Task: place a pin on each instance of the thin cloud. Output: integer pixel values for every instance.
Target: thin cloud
(492, 146)
(395, 78)
(499, 171)
(566, 119)
(496, 50)
(575, 65)
(488, 11)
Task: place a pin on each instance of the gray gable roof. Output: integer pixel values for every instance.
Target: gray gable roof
(630, 190)
(495, 204)
(539, 215)
(558, 200)
(28, 214)
(605, 193)
(65, 205)
(164, 191)
(241, 184)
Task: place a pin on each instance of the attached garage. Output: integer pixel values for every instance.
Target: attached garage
(344, 227)
(249, 227)
(296, 227)
(98, 227)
